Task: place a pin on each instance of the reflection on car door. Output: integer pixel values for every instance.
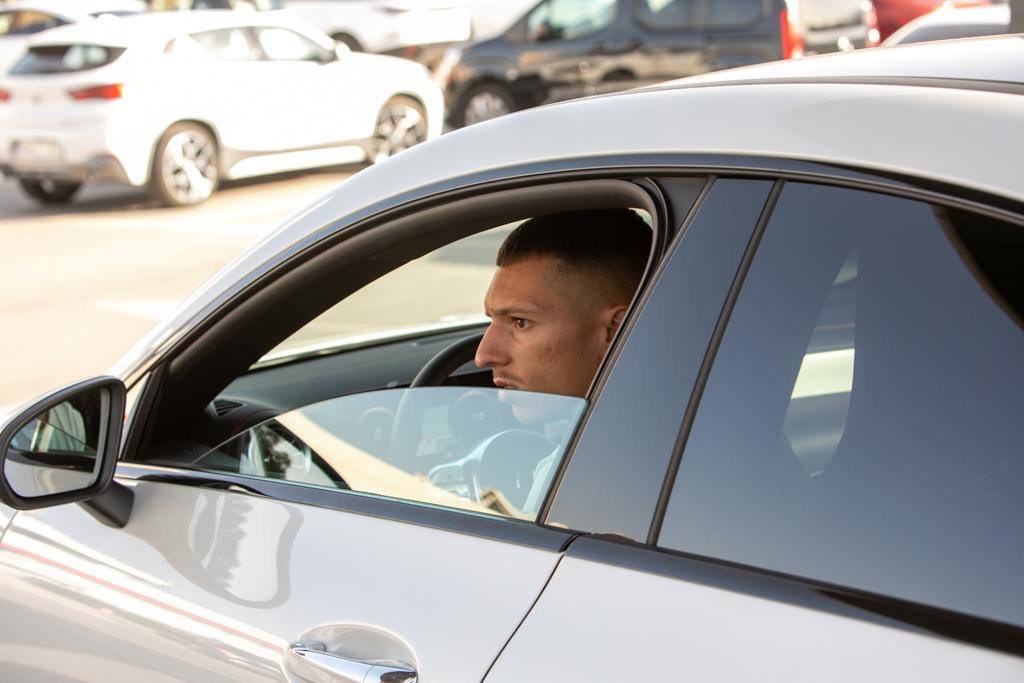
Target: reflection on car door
(215, 585)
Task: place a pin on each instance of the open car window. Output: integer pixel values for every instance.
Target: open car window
(481, 450)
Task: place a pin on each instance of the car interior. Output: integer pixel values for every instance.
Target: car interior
(241, 367)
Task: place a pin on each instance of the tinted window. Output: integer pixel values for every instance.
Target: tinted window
(569, 19)
(861, 424)
(667, 14)
(52, 59)
(725, 13)
(482, 450)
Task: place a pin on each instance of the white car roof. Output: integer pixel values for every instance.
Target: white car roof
(832, 110)
(947, 15)
(154, 29)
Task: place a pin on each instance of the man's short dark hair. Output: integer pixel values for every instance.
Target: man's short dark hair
(616, 241)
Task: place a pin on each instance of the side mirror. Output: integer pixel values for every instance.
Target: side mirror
(63, 449)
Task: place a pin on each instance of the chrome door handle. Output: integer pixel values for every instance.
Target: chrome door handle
(319, 666)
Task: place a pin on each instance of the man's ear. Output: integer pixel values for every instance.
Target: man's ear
(617, 315)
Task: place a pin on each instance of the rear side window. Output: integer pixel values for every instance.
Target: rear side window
(55, 59)
(862, 422)
(230, 44)
(27, 22)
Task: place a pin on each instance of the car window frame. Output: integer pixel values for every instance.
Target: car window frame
(153, 397)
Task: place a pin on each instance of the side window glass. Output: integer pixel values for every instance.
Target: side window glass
(666, 14)
(568, 19)
(731, 13)
(228, 44)
(482, 450)
(861, 424)
(27, 22)
(283, 45)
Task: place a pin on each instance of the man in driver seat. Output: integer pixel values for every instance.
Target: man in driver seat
(562, 288)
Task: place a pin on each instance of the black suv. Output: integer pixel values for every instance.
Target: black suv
(562, 49)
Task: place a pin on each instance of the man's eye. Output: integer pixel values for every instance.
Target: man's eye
(520, 323)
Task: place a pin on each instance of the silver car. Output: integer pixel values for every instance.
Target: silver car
(801, 459)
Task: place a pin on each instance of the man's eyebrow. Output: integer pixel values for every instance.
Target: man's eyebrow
(512, 312)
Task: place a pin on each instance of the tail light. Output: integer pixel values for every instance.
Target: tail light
(112, 91)
(5, 95)
(792, 36)
(871, 21)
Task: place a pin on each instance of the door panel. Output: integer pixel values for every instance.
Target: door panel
(605, 621)
(206, 585)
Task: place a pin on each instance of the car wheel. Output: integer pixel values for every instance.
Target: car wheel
(402, 123)
(485, 102)
(49, 191)
(185, 166)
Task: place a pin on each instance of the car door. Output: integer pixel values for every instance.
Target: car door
(572, 46)
(305, 557)
(824, 480)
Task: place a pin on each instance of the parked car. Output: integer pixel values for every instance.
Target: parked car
(22, 19)
(892, 14)
(801, 458)
(563, 49)
(415, 29)
(954, 22)
(179, 101)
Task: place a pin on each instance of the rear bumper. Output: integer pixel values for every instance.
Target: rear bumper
(100, 168)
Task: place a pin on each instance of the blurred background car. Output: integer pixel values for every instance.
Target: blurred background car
(953, 22)
(561, 49)
(179, 101)
(892, 14)
(21, 20)
(415, 29)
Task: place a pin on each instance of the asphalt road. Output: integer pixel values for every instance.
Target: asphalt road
(80, 284)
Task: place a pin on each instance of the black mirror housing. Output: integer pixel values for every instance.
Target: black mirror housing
(107, 395)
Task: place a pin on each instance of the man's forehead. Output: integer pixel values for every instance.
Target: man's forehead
(533, 283)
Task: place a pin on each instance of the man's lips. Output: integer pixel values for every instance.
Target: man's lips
(504, 383)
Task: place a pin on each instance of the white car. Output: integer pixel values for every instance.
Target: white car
(949, 22)
(179, 101)
(800, 460)
(392, 26)
(21, 19)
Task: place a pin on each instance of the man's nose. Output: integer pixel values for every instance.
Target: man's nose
(489, 353)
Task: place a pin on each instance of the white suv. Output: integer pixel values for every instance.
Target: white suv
(180, 101)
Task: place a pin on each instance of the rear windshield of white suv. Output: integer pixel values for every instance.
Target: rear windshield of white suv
(55, 59)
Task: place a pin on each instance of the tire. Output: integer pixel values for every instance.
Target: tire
(49, 191)
(483, 102)
(348, 40)
(185, 166)
(401, 124)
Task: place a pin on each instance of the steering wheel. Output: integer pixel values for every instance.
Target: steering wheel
(405, 431)
(446, 361)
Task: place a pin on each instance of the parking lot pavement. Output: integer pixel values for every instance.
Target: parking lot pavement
(82, 283)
